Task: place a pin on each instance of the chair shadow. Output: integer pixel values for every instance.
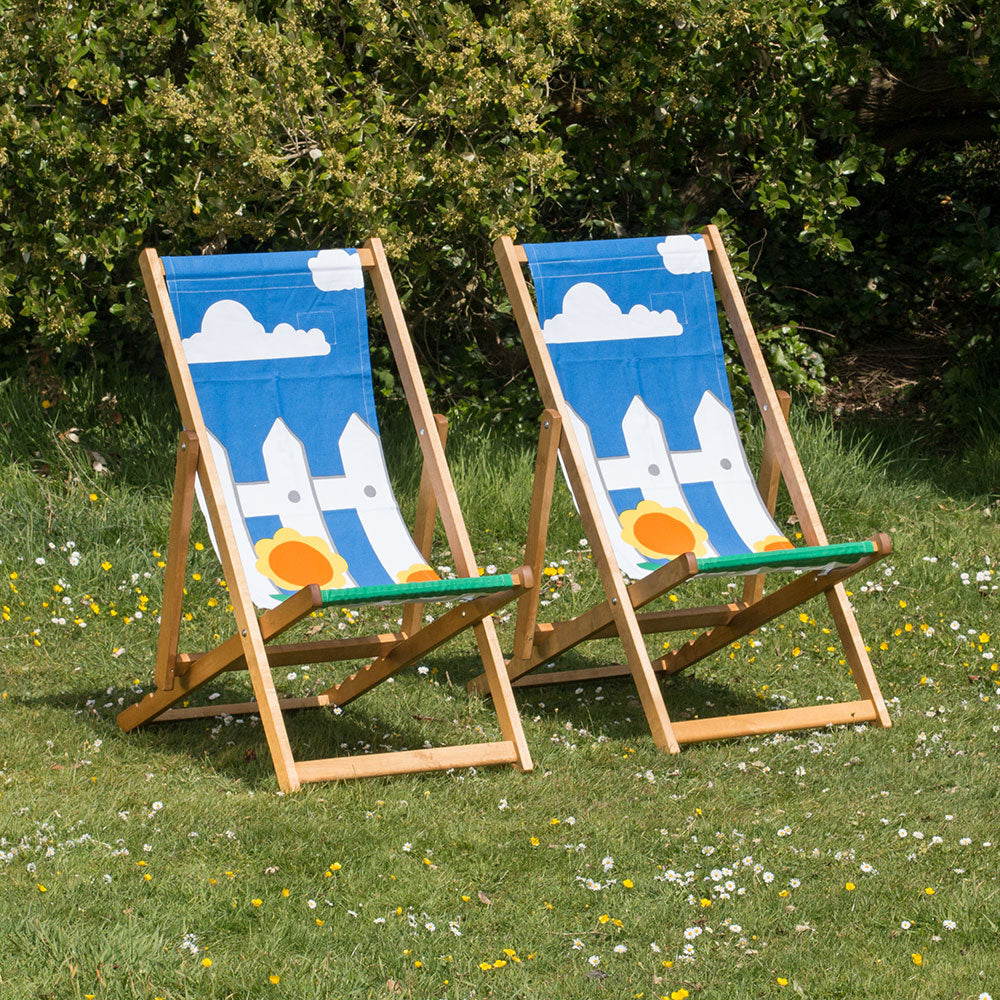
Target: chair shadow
(236, 747)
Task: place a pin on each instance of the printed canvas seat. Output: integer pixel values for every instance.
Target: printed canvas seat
(625, 345)
(269, 359)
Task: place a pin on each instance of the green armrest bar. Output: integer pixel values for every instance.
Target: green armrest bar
(426, 590)
(808, 557)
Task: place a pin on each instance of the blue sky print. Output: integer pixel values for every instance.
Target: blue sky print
(632, 328)
(277, 347)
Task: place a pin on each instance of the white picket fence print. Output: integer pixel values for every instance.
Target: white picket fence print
(299, 499)
(650, 466)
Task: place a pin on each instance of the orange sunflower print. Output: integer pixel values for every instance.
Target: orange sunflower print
(417, 573)
(772, 544)
(662, 532)
(292, 560)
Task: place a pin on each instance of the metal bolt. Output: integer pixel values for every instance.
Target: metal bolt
(243, 632)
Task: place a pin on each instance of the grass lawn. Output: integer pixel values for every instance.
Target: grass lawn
(853, 862)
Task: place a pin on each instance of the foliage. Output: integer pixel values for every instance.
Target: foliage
(237, 125)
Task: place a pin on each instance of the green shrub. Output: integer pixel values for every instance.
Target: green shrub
(234, 125)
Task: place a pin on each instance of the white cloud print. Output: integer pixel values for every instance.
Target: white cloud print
(684, 255)
(230, 333)
(589, 314)
(336, 270)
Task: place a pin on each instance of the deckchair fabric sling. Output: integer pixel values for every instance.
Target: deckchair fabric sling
(269, 359)
(625, 345)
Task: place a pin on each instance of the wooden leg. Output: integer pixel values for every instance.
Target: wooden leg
(538, 526)
(423, 528)
(857, 655)
(551, 640)
(774, 604)
(177, 550)
(425, 639)
(767, 484)
(271, 624)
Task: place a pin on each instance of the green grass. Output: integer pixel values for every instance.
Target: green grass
(152, 848)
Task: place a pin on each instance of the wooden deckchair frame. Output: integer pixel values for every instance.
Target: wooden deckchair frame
(536, 643)
(178, 674)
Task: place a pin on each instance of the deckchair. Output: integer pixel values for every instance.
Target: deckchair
(269, 359)
(626, 349)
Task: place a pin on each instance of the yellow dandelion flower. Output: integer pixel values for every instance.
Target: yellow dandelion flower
(929, 891)
(917, 958)
(485, 966)
(850, 887)
(274, 980)
(335, 867)
(41, 888)
(627, 883)
(782, 981)
(535, 841)
(499, 963)
(206, 962)
(662, 532)
(292, 560)
(256, 902)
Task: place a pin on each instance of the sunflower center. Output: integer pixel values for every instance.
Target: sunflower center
(774, 546)
(663, 533)
(299, 563)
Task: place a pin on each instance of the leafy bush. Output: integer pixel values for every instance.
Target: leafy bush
(239, 125)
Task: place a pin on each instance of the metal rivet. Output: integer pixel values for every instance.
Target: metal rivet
(421, 430)
(370, 491)
(614, 600)
(184, 447)
(546, 424)
(243, 632)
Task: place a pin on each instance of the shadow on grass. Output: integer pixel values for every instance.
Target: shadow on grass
(237, 748)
